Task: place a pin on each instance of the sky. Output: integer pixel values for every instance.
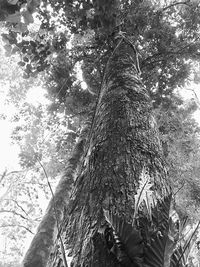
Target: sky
(192, 91)
(9, 152)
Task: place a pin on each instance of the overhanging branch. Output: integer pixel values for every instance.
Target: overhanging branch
(176, 4)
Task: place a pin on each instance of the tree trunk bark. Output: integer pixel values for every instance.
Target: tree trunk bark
(123, 141)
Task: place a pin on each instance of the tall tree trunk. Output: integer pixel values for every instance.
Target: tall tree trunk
(123, 141)
(45, 241)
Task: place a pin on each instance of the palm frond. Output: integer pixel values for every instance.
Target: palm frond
(158, 253)
(181, 254)
(129, 236)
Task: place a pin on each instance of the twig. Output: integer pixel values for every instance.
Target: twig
(15, 213)
(179, 189)
(17, 225)
(3, 175)
(19, 206)
(195, 94)
(56, 215)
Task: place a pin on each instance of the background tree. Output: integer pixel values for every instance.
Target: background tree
(39, 136)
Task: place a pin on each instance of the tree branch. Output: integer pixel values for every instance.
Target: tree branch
(175, 4)
(18, 205)
(15, 213)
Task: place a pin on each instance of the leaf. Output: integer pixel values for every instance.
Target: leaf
(161, 212)
(14, 18)
(28, 18)
(158, 253)
(20, 27)
(12, 2)
(5, 38)
(25, 59)
(21, 63)
(159, 234)
(181, 253)
(129, 236)
(176, 259)
(186, 248)
(8, 48)
(144, 192)
(32, 5)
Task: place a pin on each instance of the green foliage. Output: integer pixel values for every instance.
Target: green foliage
(165, 40)
(160, 245)
(179, 134)
(20, 212)
(41, 135)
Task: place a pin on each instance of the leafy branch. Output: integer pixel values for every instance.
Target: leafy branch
(16, 202)
(188, 243)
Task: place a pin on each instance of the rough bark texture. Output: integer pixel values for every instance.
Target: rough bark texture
(124, 140)
(47, 236)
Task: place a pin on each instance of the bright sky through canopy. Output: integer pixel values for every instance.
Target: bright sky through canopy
(192, 92)
(8, 153)
(36, 96)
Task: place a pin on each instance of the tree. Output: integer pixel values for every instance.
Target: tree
(179, 134)
(42, 137)
(123, 146)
